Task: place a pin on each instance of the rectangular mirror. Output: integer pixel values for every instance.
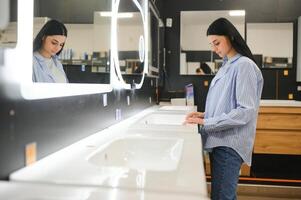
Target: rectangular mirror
(80, 54)
(268, 53)
(85, 54)
(196, 57)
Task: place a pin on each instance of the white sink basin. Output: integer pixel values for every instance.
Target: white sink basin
(164, 119)
(140, 153)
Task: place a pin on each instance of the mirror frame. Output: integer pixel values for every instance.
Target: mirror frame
(116, 78)
(16, 74)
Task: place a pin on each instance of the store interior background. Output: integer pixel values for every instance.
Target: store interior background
(57, 122)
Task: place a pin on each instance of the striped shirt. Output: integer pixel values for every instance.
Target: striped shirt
(42, 71)
(232, 107)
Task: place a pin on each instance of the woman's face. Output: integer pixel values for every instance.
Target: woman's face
(52, 44)
(221, 45)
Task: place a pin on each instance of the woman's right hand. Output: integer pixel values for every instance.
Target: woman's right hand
(195, 115)
(194, 118)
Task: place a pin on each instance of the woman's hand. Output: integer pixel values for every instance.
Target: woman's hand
(195, 114)
(194, 118)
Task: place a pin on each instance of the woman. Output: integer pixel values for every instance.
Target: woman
(47, 45)
(228, 124)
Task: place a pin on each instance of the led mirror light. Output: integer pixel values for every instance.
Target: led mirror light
(119, 15)
(117, 80)
(17, 72)
(141, 49)
(237, 13)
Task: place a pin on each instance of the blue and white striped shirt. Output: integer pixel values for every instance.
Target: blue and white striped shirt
(232, 107)
(42, 73)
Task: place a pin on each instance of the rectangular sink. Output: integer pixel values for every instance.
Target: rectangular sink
(164, 119)
(140, 153)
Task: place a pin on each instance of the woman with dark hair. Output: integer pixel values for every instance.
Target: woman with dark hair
(47, 45)
(228, 124)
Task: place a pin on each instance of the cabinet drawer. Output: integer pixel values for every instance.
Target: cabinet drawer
(278, 142)
(279, 121)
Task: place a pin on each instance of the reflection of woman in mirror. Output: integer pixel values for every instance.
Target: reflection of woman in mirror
(205, 68)
(228, 124)
(47, 45)
(139, 68)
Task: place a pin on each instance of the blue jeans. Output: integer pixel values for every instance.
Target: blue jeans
(225, 166)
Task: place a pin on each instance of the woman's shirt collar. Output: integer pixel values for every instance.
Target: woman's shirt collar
(232, 59)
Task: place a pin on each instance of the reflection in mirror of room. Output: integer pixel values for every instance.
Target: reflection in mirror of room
(195, 48)
(129, 48)
(272, 43)
(130, 42)
(85, 58)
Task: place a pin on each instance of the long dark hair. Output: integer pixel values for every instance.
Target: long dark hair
(52, 27)
(224, 27)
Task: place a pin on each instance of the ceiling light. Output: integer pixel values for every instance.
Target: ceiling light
(119, 15)
(237, 13)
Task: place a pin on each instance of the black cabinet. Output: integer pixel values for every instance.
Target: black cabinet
(278, 84)
(269, 86)
(286, 84)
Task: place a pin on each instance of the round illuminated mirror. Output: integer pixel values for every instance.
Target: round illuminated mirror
(129, 57)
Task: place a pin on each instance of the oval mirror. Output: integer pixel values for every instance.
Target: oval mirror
(129, 53)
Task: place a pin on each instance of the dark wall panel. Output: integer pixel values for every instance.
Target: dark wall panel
(256, 10)
(71, 11)
(270, 83)
(287, 83)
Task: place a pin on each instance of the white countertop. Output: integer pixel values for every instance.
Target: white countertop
(284, 103)
(177, 108)
(29, 191)
(70, 166)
